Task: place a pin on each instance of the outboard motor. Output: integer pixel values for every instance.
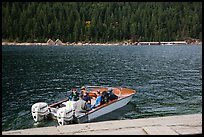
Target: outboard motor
(39, 111)
(65, 115)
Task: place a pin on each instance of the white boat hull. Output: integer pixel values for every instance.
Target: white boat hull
(104, 110)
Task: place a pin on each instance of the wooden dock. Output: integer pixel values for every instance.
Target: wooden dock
(169, 125)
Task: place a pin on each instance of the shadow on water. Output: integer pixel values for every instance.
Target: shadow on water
(45, 123)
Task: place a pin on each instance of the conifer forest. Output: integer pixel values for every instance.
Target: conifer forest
(101, 21)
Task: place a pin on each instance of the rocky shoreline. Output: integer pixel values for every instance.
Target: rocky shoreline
(58, 43)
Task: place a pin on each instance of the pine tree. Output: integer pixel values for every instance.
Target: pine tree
(109, 21)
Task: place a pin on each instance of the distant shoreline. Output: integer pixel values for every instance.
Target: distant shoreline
(103, 44)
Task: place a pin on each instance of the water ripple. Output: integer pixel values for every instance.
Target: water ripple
(168, 79)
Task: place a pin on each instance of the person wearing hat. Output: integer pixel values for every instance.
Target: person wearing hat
(83, 89)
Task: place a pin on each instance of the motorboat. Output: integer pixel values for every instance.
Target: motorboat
(62, 111)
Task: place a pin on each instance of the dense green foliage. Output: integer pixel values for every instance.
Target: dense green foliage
(101, 21)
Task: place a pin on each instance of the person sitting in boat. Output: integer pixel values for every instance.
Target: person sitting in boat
(98, 100)
(83, 89)
(87, 98)
(80, 107)
(111, 95)
(105, 97)
(74, 96)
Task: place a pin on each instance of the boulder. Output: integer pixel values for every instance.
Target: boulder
(58, 42)
(50, 42)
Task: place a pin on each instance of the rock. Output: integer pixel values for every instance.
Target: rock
(50, 42)
(58, 42)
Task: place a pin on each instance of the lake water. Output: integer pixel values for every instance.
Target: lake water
(168, 79)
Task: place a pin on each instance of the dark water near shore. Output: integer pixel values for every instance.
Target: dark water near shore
(168, 79)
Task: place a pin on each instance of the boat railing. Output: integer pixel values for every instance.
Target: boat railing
(57, 103)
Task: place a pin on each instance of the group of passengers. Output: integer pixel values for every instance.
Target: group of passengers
(83, 100)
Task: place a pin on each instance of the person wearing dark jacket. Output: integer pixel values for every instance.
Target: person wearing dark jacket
(87, 98)
(105, 97)
(112, 96)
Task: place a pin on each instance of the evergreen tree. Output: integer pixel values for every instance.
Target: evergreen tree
(109, 21)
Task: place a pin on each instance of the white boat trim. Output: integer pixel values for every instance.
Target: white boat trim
(100, 111)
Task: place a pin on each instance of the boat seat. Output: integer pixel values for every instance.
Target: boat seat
(93, 101)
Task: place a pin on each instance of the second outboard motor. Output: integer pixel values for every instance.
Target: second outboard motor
(65, 116)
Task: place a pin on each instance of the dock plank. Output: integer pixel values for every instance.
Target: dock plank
(168, 125)
(159, 130)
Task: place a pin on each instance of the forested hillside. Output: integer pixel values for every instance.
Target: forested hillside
(101, 21)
